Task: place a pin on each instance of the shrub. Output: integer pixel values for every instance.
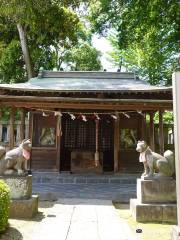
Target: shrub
(4, 205)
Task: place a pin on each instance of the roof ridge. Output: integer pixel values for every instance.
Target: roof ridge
(85, 74)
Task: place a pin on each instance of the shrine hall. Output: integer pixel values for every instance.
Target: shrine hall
(85, 122)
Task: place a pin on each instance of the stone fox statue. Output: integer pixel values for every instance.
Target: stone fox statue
(163, 165)
(15, 160)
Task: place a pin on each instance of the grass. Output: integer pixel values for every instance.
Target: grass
(151, 231)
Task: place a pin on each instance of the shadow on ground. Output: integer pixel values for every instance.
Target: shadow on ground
(46, 204)
(38, 218)
(11, 234)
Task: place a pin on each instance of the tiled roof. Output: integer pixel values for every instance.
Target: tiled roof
(85, 81)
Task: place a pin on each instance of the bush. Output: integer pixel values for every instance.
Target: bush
(4, 205)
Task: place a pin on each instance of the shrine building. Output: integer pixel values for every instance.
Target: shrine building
(85, 122)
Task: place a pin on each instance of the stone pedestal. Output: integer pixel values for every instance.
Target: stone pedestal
(20, 186)
(24, 208)
(156, 191)
(156, 201)
(23, 203)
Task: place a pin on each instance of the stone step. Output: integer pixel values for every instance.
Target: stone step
(62, 178)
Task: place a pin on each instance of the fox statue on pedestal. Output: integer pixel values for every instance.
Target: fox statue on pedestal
(14, 162)
(155, 165)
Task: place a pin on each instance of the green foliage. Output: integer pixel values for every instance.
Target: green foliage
(146, 36)
(168, 118)
(83, 58)
(47, 25)
(4, 205)
(5, 114)
(11, 63)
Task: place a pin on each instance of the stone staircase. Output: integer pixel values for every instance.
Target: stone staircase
(52, 185)
(67, 178)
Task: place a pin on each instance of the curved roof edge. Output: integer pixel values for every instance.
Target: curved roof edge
(51, 81)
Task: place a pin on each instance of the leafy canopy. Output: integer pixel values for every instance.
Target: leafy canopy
(83, 57)
(46, 25)
(147, 34)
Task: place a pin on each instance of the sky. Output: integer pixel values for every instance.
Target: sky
(102, 45)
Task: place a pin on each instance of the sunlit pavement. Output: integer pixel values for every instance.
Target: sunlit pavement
(82, 219)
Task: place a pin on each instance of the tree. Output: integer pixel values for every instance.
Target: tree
(147, 34)
(82, 57)
(146, 60)
(41, 24)
(11, 62)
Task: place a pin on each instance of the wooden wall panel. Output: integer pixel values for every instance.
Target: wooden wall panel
(128, 157)
(43, 159)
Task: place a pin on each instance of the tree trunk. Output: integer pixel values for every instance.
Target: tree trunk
(25, 50)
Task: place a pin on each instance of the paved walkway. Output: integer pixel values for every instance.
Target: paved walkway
(81, 219)
(84, 210)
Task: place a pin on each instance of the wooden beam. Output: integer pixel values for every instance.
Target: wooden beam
(23, 125)
(116, 144)
(92, 106)
(11, 125)
(161, 132)
(75, 99)
(151, 128)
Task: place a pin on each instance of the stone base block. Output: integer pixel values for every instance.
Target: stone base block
(20, 186)
(24, 208)
(153, 212)
(175, 234)
(156, 191)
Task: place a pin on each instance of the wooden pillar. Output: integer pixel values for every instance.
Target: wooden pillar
(11, 125)
(1, 128)
(58, 141)
(30, 136)
(176, 106)
(161, 132)
(143, 127)
(151, 129)
(116, 144)
(97, 164)
(22, 125)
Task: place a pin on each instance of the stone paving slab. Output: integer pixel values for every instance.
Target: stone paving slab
(82, 219)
